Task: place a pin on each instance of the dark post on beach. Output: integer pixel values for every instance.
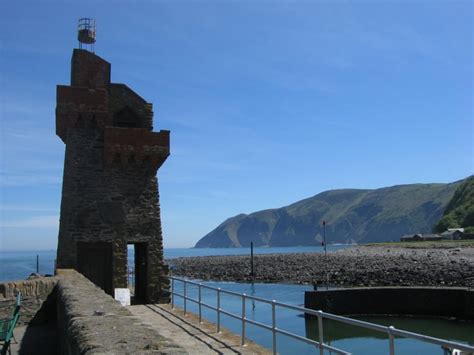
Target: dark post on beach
(325, 255)
(251, 260)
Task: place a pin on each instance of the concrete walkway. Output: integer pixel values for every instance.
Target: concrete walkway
(194, 337)
(35, 340)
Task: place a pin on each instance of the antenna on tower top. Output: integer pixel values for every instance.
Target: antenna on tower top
(86, 33)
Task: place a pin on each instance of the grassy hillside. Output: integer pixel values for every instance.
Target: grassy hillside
(351, 215)
(460, 210)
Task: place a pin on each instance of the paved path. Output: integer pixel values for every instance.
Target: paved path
(186, 331)
(194, 337)
(35, 340)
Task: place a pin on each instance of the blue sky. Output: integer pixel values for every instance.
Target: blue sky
(268, 102)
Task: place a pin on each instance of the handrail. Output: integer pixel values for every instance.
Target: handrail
(242, 317)
(390, 330)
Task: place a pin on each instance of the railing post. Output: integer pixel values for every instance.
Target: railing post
(133, 279)
(243, 320)
(274, 339)
(391, 340)
(320, 332)
(219, 310)
(172, 293)
(184, 297)
(200, 314)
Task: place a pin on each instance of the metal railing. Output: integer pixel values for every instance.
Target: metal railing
(390, 331)
(131, 279)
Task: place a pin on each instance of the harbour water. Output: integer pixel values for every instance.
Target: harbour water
(18, 265)
(345, 337)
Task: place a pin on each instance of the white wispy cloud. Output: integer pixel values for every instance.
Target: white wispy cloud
(29, 180)
(50, 221)
(27, 106)
(27, 208)
(43, 50)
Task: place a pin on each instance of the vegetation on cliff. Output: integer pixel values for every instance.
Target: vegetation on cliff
(460, 210)
(352, 215)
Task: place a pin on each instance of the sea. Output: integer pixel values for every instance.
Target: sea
(19, 265)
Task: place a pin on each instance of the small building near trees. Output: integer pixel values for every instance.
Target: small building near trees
(453, 234)
(418, 237)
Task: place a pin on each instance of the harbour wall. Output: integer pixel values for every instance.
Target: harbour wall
(88, 321)
(91, 322)
(417, 301)
(38, 303)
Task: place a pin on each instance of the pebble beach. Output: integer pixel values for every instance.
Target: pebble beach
(352, 267)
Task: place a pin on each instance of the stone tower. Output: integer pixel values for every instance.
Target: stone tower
(110, 190)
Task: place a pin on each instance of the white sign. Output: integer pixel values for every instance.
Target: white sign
(123, 296)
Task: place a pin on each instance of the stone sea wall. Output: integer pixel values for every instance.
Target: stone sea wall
(92, 322)
(38, 302)
(419, 301)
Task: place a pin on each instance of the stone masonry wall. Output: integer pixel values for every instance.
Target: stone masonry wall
(118, 205)
(146, 148)
(92, 322)
(38, 299)
(89, 70)
(105, 198)
(421, 301)
(121, 96)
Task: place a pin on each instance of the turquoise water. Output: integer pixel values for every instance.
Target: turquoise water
(18, 265)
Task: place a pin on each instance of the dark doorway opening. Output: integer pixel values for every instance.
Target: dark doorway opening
(137, 271)
(126, 118)
(94, 261)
